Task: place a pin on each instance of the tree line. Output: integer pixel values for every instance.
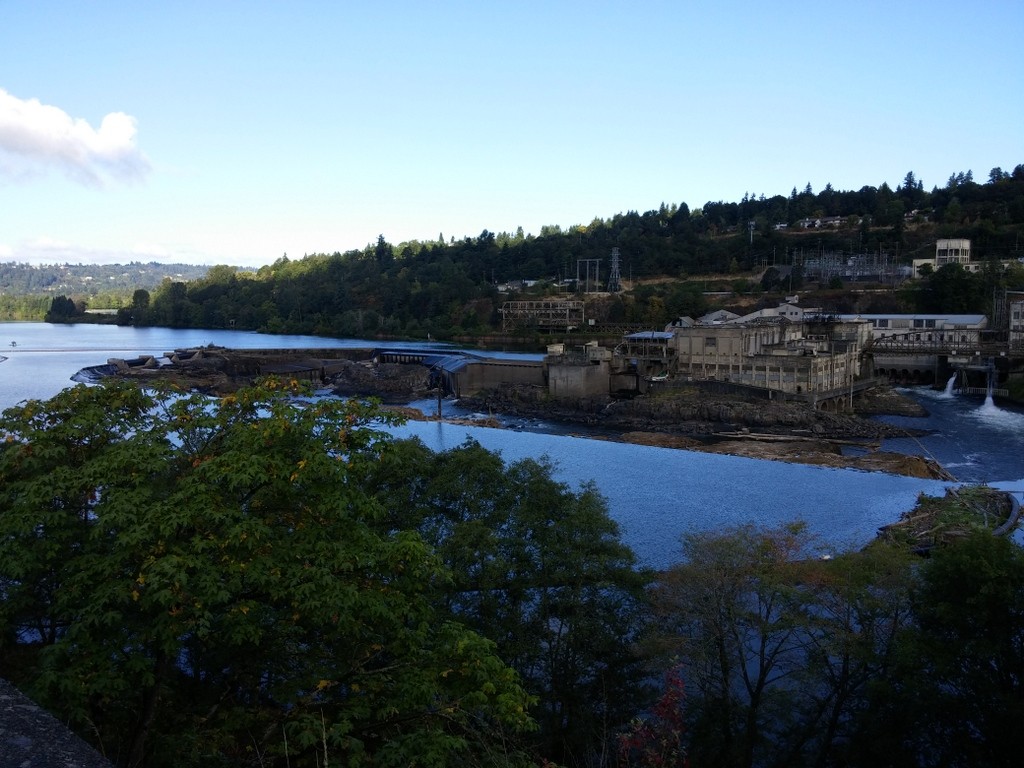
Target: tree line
(455, 288)
(451, 288)
(27, 290)
(263, 579)
(90, 280)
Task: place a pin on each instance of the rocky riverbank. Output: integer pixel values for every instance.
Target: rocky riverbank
(687, 418)
(691, 412)
(761, 429)
(822, 453)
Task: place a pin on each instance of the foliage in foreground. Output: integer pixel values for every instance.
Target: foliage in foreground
(540, 570)
(197, 583)
(259, 580)
(871, 658)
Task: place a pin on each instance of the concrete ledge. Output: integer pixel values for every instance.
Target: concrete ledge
(30, 737)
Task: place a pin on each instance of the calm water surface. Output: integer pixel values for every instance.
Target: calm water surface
(656, 494)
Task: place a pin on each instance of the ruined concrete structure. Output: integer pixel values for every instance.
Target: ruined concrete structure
(808, 357)
(584, 372)
(787, 351)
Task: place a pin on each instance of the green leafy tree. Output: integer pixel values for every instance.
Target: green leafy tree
(957, 695)
(731, 613)
(856, 606)
(780, 648)
(135, 313)
(951, 288)
(538, 569)
(61, 310)
(203, 582)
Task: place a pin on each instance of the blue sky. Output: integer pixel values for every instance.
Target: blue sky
(234, 132)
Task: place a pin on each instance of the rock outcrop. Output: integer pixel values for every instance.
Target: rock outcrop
(687, 412)
(688, 418)
(759, 429)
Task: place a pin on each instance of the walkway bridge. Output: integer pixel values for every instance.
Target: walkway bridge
(444, 364)
(949, 343)
(930, 356)
(459, 372)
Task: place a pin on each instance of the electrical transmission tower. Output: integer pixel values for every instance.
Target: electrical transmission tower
(614, 279)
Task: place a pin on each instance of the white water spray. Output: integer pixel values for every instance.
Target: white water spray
(948, 391)
(989, 408)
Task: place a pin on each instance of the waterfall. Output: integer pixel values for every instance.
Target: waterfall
(948, 391)
(989, 406)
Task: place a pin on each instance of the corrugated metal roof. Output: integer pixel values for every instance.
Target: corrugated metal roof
(651, 335)
(452, 364)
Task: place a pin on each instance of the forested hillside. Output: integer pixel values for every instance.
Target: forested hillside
(26, 290)
(456, 287)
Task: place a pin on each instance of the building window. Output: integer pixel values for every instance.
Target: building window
(710, 342)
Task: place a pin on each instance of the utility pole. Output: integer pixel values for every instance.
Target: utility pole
(440, 389)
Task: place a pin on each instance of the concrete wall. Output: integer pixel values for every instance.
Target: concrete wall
(489, 374)
(572, 381)
(1016, 314)
(922, 369)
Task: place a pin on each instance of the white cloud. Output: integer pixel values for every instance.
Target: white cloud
(49, 250)
(46, 249)
(35, 138)
(45, 243)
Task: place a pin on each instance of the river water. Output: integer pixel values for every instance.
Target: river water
(655, 494)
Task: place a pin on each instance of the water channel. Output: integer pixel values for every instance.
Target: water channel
(655, 494)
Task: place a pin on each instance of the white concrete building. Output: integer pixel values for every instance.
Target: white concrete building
(803, 357)
(1015, 310)
(925, 328)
